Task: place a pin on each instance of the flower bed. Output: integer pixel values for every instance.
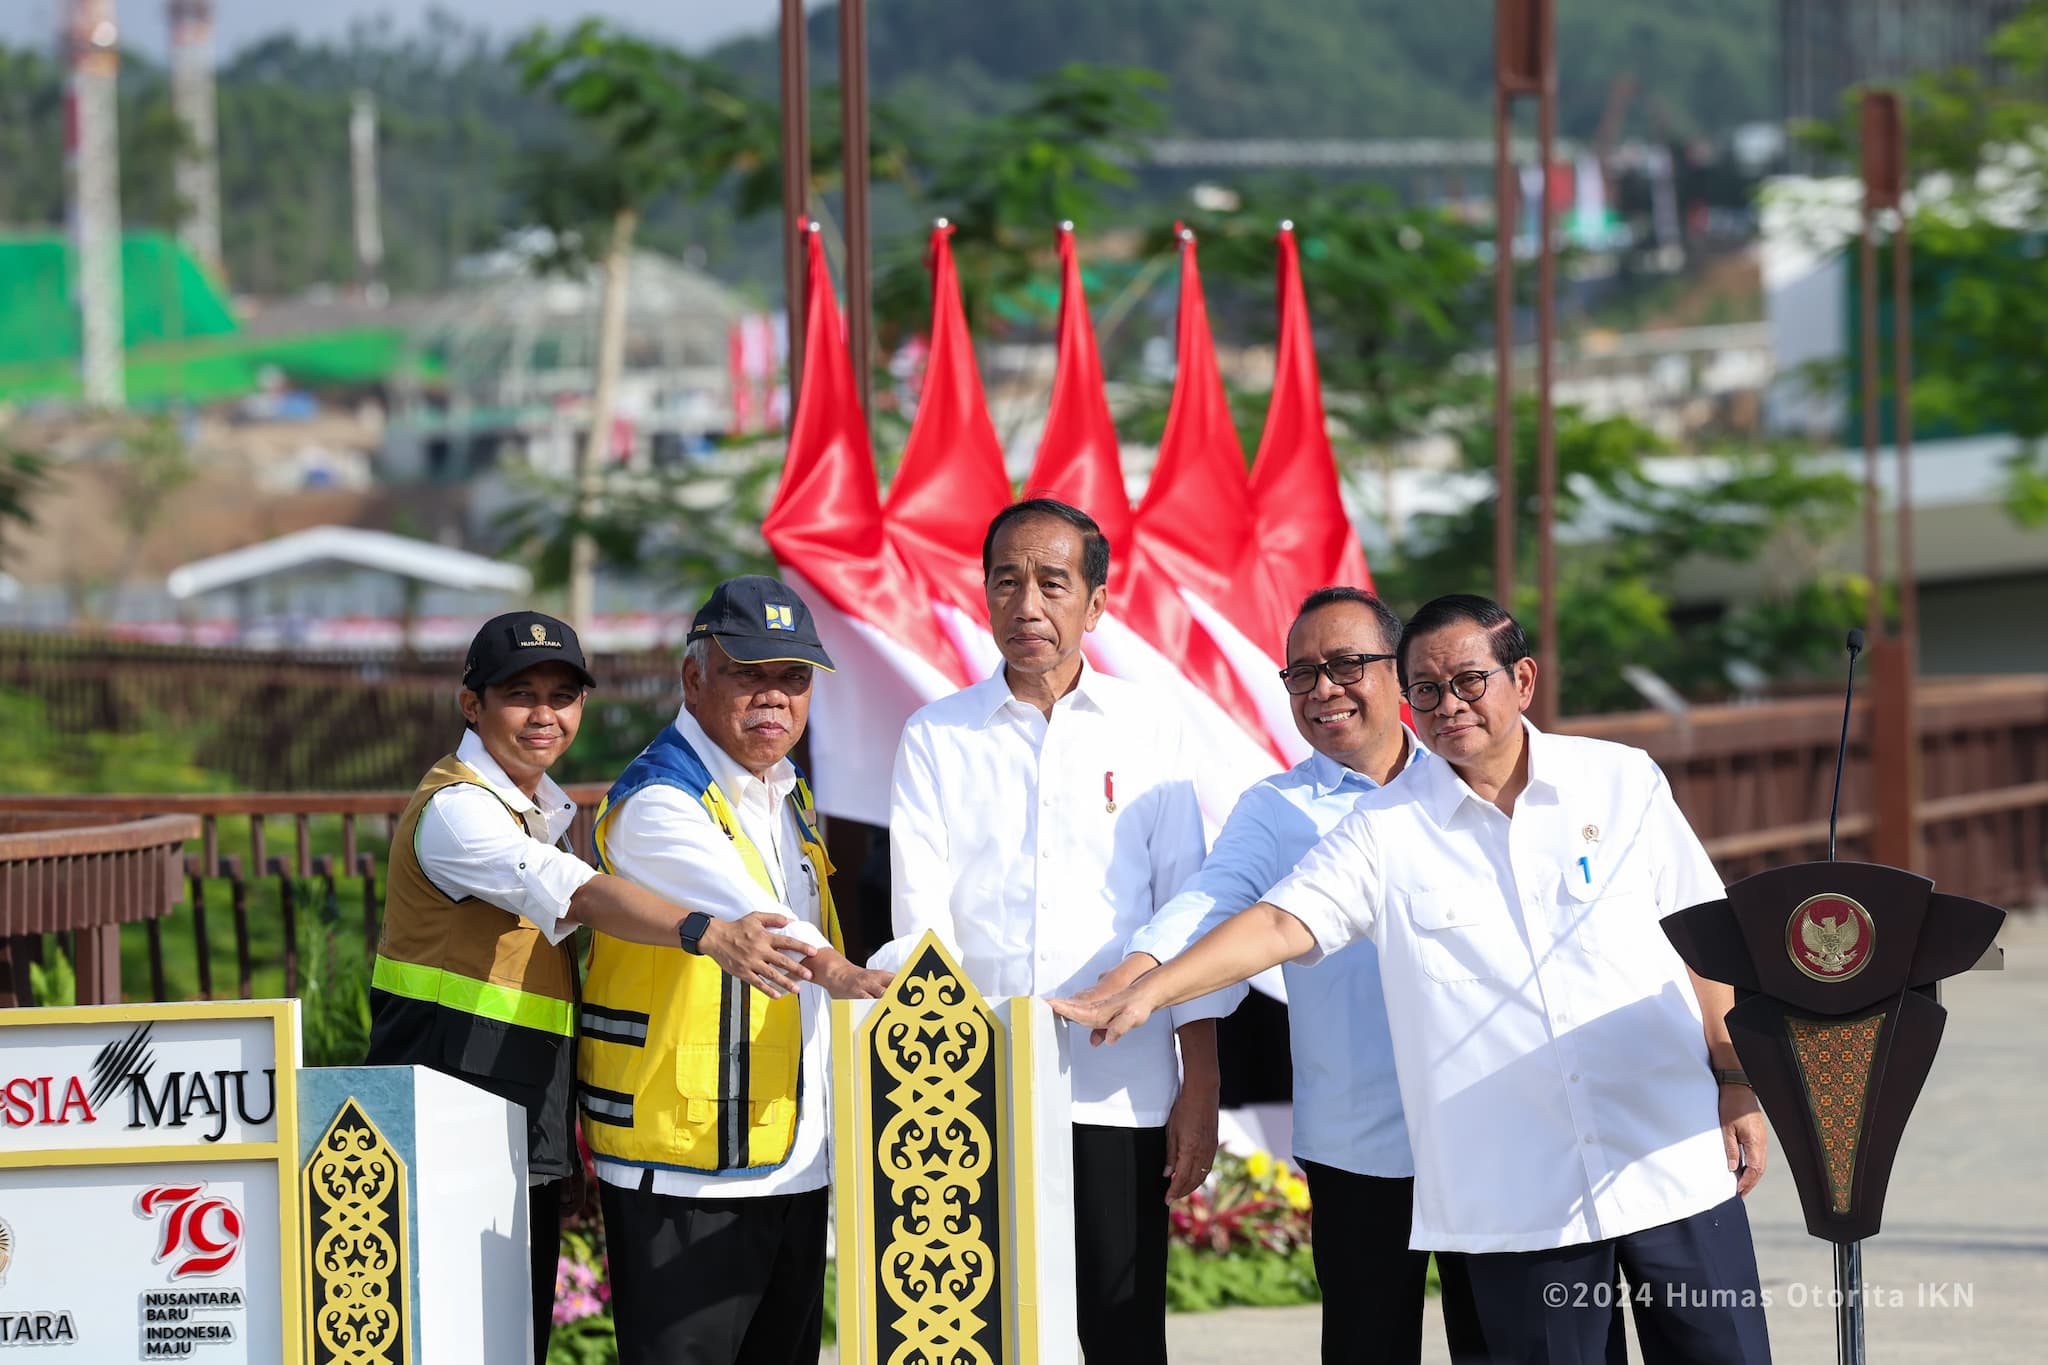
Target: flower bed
(1243, 1239)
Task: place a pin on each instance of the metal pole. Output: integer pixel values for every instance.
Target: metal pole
(95, 165)
(1902, 421)
(1849, 1303)
(796, 181)
(1549, 699)
(1873, 551)
(1503, 352)
(853, 103)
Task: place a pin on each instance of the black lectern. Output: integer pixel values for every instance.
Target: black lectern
(1836, 1020)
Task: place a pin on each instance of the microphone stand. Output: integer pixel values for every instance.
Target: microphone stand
(1848, 1255)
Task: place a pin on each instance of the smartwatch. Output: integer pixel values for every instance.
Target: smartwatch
(691, 931)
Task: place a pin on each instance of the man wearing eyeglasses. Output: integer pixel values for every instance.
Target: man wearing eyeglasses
(1348, 1133)
(1571, 1096)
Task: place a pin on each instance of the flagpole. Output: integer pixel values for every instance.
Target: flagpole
(796, 186)
(853, 104)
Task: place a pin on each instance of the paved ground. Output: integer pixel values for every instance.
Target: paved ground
(1960, 1272)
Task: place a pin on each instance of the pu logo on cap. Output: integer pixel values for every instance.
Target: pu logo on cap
(540, 634)
(779, 617)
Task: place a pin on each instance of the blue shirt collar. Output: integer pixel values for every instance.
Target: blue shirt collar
(1327, 776)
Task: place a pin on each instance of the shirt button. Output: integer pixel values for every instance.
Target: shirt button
(1560, 1017)
(1589, 1141)
(522, 867)
(1575, 1078)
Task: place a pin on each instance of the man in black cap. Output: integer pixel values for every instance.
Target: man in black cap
(474, 975)
(704, 1092)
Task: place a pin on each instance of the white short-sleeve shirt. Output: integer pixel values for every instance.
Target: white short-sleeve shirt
(1548, 1040)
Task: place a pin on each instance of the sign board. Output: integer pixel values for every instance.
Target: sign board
(149, 1192)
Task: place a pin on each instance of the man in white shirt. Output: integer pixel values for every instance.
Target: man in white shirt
(705, 1093)
(1571, 1096)
(1037, 820)
(473, 975)
(1348, 1132)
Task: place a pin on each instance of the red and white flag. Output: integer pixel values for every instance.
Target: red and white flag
(1302, 538)
(873, 609)
(951, 482)
(1149, 635)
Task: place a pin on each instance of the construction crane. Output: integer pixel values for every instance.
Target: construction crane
(196, 175)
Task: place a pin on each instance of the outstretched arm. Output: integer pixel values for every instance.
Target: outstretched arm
(1243, 946)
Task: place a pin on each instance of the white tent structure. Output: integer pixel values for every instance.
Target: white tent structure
(332, 571)
(403, 556)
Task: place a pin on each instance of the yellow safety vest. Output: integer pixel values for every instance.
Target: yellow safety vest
(680, 1066)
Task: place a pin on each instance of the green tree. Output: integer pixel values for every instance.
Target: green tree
(1980, 253)
(1624, 536)
(1006, 179)
(651, 120)
(23, 473)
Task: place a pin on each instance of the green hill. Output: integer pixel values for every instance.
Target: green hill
(1318, 68)
(454, 124)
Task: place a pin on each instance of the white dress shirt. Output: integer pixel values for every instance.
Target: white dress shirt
(1552, 1062)
(1034, 848)
(468, 848)
(1347, 1104)
(663, 839)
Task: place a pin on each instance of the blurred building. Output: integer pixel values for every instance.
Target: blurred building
(1828, 46)
(512, 358)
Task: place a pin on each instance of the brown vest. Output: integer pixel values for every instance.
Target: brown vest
(491, 962)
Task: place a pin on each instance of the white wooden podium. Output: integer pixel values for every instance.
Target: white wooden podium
(952, 1173)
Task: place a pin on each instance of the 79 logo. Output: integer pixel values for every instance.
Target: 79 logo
(202, 1234)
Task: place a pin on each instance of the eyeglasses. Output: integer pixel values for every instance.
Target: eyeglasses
(1343, 670)
(1467, 686)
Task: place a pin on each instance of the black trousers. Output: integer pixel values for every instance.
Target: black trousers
(1373, 1284)
(716, 1281)
(1692, 1289)
(544, 1233)
(1120, 1244)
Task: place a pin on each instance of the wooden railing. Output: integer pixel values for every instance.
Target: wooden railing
(1754, 781)
(305, 720)
(84, 874)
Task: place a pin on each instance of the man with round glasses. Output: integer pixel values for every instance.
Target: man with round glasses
(1348, 1134)
(1571, 1096)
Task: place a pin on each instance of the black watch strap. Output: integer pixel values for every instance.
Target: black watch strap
(691, 930)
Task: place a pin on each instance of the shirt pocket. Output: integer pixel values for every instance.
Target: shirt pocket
(1614, 915)
(1464, 934)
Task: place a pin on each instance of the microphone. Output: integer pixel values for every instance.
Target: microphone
(1842, 748)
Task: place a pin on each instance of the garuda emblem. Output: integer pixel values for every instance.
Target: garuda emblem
(1830, 937)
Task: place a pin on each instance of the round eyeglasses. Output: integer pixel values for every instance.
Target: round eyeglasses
(1467, 686)
(1343, 670)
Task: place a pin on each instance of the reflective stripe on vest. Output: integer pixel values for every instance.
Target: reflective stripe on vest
(486, 999)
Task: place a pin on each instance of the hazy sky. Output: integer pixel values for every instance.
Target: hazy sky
(692, 23)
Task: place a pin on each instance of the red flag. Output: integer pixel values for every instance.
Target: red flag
(1078, 458)
(826, 520)
(1193, 526)
(951, 482)
(1303, 538)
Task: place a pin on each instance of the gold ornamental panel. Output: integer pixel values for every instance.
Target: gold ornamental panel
(356, 1268)
(933, 1053)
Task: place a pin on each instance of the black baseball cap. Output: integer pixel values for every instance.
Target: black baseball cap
(508, 645)
(759, 620)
